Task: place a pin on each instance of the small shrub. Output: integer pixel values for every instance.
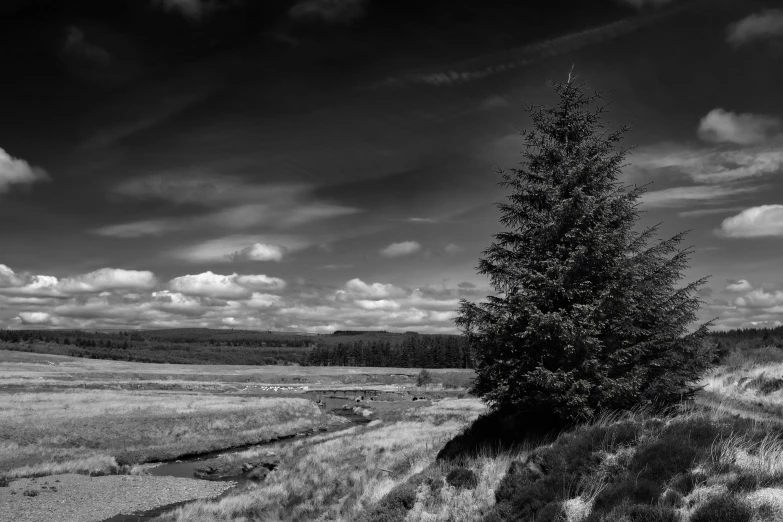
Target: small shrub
(552, 512)
(4, 482)
(424, 378)
(684, 483)
(30, 493)
(394, 506)
(462, 478)
(723, 508)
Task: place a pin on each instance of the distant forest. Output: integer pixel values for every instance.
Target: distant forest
(205, 346)
(342, 348)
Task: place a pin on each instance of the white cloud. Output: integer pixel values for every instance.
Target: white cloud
(760, 298)
(758, 26)
(232, 286)
(108, 279)
(260, 282)
(255, 301)
(357, 289)
(35, 318)
(380, 304)
(721, 126)
(258, 252)
(14, 171)
(241, 248)
(453, 248)
(208, 284)
(761, 221)
(739, 286)
(8, 277)
(401, 249)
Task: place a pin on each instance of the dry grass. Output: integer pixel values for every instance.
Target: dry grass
(340, 475)
(90, 431)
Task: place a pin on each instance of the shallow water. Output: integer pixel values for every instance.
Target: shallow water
(185, 468)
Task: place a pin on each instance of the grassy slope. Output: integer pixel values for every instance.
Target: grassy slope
(341, 476)
(703, 462)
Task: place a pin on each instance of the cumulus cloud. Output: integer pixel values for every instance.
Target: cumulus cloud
(103, 280)
(356, 288)
(721, 126)
(232, 286)
(403, 248)
(329, 11)
(738, 286)
(453, 248)
(260, 282)
(109, 279)
(208, 284)
(112, 298)
(758, 26)
(760, 298)
(35, 318)
(15, 171)
(8, 277)
(761, 221)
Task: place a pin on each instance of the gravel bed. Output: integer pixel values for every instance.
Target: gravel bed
(79, 498)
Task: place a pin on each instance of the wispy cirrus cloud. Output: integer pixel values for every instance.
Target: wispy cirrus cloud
(488, 65)
(228, 202)
(235, 248)
(757, 26)
(684, 196)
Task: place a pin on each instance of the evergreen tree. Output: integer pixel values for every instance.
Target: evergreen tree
(587, 315)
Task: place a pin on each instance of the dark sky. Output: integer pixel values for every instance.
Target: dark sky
(328, 164)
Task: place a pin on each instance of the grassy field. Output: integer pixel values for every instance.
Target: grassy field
(63, 414)
(96, 431)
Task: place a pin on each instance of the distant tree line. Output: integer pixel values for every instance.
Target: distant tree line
(414, 351)
(202, 346)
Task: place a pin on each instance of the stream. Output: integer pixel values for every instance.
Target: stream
(186, 468)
